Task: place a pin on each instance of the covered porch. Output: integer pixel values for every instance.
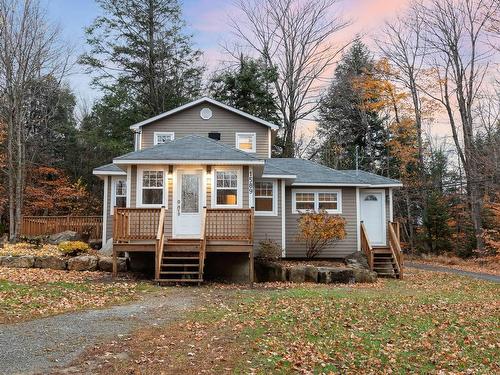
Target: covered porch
(182, 259)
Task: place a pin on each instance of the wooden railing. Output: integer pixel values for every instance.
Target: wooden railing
(135, 224)
(395, 246)
(160, 241)
(203, 240)
(366, 247)
(230, 224)
(47, 225)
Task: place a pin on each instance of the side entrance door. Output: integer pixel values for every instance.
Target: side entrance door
(372, 207)
(188, 204)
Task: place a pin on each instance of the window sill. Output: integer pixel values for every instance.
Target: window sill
(265, 213)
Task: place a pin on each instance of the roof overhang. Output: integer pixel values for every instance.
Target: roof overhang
(108, 173)
(202, 100)
(189, 162)
(346, 185)
(282, 176)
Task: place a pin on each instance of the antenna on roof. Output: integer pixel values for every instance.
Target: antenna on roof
(357, 147)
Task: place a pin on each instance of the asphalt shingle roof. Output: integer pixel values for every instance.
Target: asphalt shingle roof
(191, 147)
(109, 168)
(310, 172)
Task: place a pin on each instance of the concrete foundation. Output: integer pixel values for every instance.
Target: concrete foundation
(228, 267)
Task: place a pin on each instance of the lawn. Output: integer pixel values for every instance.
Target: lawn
(32, 293)
(428, 323)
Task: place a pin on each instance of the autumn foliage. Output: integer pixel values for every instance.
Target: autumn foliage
(319, 230)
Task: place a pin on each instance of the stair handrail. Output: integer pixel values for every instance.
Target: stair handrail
(203, 240)
(366, 245)
(160, 242)
(395, 247)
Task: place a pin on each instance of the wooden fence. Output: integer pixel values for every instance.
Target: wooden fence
(47, 225)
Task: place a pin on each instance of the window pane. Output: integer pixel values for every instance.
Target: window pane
(152, 196)
(164, 138)
(264, 204)
(121, 202)
(327, 197)
(263, 189)
(120, 188)
(245, 142)
(327, 205)
(227, 196)
(304, 205)
(152, 179)
(190, 193)
(304, 197)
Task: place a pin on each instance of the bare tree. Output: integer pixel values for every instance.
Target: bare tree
(295, 37)
(29, 51)
(457, 35)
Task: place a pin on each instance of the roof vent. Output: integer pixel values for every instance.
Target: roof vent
(214, 135)
(206, 113)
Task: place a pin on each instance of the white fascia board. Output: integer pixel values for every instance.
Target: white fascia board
(201, 100)
(108, 173)
(189, 162)
(284, 176)
(341, 184)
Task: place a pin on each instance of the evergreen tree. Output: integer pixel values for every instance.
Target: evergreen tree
(346, 118)
(249, 88)
(140, 47)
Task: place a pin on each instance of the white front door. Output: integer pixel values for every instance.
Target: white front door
(372, 207)
(188, 204)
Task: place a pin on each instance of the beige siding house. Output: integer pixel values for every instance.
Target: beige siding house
(201, 183)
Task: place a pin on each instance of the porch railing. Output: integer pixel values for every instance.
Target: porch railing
(229, 224)
(135, 224)
(395, 246)
(47, 225)
(366, 247)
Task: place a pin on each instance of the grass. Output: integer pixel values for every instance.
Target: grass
(31, 293)
(428, 323)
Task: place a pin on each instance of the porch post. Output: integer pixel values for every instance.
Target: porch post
(115, 266)
(250, 267)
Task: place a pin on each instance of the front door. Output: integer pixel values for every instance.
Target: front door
(373, 215)
(188, 205)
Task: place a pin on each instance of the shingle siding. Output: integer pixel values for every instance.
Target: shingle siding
(189, 122)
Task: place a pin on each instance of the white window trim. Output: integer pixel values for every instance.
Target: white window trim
(274, 212)
(316, 200)
(254, 142)
(239, 188)
(140, 172)
(114, 180)
(156, 134)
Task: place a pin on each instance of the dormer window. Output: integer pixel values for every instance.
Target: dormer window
(161, 138)
(245, 142)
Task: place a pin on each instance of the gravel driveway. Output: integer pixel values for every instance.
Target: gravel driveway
(475, 275)
(38, 346)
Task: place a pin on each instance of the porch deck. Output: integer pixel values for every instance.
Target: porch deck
(222, 231)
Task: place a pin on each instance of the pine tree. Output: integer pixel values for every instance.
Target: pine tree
(345, 119)
(140, 46)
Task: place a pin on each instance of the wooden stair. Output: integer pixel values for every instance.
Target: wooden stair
(182, 261)
(384, 262)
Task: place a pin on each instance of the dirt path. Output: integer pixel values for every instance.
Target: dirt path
(475, 275)
(41, 345)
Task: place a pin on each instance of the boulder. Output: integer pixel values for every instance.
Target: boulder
(107, 248)
(24, 261)
(311, 274)
(296, 274)
(95, 244)
(364, 276)
(106, 264)
(56, 239)
(357, 260)
(50, 261)
(83, 263)
(328, 275)
(269, 271)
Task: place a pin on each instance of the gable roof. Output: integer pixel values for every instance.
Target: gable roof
(203, 100)
(309, 173)
(192, 149)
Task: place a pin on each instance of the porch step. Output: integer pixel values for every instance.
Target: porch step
(178, 280)
(181, 258)
(180, 265)
(179, 272)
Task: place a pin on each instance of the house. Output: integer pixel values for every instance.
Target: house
(201, 190)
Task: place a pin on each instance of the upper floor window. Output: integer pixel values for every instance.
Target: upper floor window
(265, 198)
(120, 193)
(315, 201)
(246, 142)
(227, 187)
(163, 137)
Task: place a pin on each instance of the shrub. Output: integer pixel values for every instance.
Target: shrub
(36, 241)
(269, 250)
(319, 230)
(73, 247)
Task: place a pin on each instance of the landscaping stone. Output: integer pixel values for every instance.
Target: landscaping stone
(296, 274)
(312, 274)
(269, 271)
(83, 263)
(95, 244)
(52, 262)
(357, 260)
(24, 261)
(329, 275)
(106, 264)
(364, 276)
(68, 235)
